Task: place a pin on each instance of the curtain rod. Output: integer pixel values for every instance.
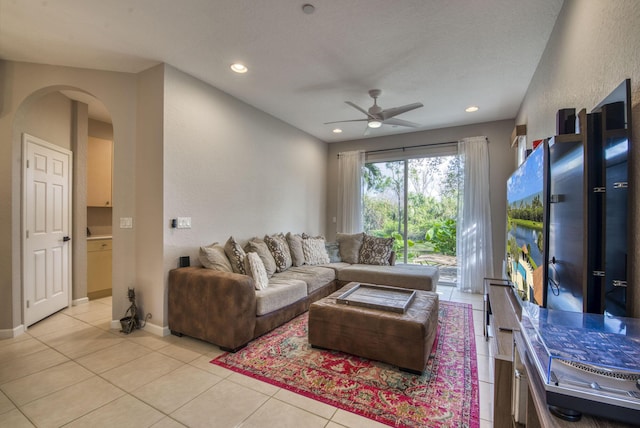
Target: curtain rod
(411, 147)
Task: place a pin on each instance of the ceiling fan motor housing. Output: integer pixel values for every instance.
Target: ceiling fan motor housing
(377, 116)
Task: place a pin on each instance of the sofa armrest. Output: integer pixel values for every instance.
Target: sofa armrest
(219, 307)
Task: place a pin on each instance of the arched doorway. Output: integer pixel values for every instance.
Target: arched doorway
(67, 117)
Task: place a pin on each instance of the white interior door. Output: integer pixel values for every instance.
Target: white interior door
(46, 228)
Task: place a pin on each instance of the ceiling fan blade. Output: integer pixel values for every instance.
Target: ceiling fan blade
(391, 112)
(341, 121)
(400, 122)
(359, 109)
(367, 131)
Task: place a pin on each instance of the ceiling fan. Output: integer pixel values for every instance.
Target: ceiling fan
(376, 116)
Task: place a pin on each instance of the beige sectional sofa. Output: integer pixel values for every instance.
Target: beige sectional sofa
(238, 295)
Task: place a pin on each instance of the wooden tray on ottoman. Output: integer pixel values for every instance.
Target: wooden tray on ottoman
(378, 297)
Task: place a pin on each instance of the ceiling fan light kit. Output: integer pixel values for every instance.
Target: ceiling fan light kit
(377, 116)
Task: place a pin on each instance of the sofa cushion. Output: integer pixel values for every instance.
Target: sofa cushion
(213, 257)
(314, 250)
(295, 247)
(376, 251)
(333, 251)
(255, 269)
(314, 276)
(279, 294)
(236, 255)
(350, 246)
(280, 251)
(416, 277)
(258, 246)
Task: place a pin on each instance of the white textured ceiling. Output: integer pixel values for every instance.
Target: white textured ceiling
(447, 54)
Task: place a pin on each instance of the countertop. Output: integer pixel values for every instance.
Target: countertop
(96, 237)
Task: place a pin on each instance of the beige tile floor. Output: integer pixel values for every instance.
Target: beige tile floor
(71, 370)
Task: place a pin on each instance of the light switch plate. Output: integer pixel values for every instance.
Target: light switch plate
(126, 223)
(184, 222)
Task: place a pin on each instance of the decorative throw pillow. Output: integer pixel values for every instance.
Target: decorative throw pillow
(258, 246)
(314, 251)
(255, 269)
(333, 250)
(376, 251)
(236, 255)
(350, 246)
(213, 257)
(280, 251)
(295, 247)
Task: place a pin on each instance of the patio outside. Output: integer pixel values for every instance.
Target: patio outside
(426, 227)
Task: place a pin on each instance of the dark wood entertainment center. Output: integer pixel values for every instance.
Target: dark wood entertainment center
(583, 269)
(502, 314)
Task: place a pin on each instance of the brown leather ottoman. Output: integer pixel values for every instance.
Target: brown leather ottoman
(404, 340)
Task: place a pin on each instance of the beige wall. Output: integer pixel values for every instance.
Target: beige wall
(593, 48)
(100, 129)
(148, 227)
(234, 170)
(501, 160)
(55, 109)
(79, 139)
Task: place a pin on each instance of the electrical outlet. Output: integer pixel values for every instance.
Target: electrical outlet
(184, 222)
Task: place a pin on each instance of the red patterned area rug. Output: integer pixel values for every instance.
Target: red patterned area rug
(446, 395)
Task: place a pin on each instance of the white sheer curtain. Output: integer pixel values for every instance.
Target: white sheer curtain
(350, 166)
(474, 243)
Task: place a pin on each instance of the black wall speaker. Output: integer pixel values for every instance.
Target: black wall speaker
(614, 116)
(566, 121)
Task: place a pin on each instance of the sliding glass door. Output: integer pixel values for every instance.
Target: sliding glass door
(416, 201)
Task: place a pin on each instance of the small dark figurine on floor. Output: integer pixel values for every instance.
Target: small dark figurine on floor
(130, 320)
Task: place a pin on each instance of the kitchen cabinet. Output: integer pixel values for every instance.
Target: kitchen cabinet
(99, 268)
(99, 172)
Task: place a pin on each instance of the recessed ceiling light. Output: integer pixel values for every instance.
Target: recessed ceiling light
(239, 68)
(308, 8)
(471, 109)
(337, 131)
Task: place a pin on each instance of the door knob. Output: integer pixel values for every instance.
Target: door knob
(66, 238)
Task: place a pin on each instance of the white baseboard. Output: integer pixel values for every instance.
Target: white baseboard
(81, 301)
(157, 330)
(11, 333)
(151, 328)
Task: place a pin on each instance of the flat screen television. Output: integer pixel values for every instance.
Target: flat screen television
(526, 232)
